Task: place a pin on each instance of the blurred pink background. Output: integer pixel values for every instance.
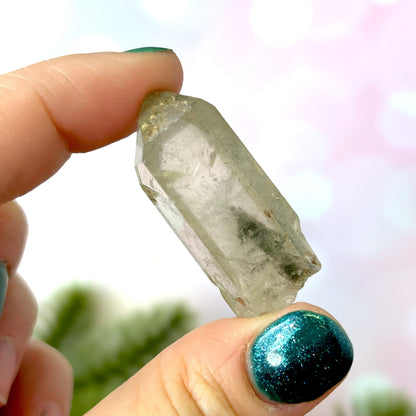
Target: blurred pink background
(322, 92)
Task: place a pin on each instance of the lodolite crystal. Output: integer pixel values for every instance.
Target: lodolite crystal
(221, 204)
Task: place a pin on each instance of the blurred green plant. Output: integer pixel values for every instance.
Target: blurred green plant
(374, 395)
(387, 403)
(390, 404)
(104, 355)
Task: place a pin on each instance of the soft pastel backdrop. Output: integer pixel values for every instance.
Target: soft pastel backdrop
(322, 92)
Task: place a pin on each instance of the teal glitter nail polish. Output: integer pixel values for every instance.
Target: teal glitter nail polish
(4, 279)
(299, 357)
(149, 49)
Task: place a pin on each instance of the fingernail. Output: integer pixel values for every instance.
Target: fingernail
(51, 409)
(299, 357)
(4, 279)
(8, 367)
(149, 49)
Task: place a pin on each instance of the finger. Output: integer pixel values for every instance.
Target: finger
(43, 385)
(16, 325)
(237, 367)
(72, 104)
(13, 233)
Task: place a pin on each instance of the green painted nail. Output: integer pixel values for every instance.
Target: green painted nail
(299, 357)
(149, 49)
(4, 279)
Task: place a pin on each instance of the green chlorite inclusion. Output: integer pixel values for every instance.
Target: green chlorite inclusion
(221, 204)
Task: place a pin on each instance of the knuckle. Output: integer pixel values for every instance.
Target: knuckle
(182, 386)
(186, 387)
(203, 388)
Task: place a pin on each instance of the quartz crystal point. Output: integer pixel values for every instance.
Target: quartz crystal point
(221, 204)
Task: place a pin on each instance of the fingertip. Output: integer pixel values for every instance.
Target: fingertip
(51, 359)
(222, 368)
(157, 60)
(43, 384)
(112, 87)
(13, 235)
(299, 357)
(74, 103)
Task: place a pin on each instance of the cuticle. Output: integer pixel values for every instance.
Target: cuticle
(261, 398)
(249, 379)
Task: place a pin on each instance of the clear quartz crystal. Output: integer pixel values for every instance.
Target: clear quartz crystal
(221, 204)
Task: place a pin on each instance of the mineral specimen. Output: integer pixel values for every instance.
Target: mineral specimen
(221, 204)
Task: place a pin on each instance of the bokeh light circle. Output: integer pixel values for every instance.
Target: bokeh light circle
(309, 193)
(357, 226)
(93, 42)
(165, 11)
(399, 201)
(386, 2)
(281, 23)
(397, 119)
(28, 31)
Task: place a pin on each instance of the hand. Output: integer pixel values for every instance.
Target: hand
(80, 103)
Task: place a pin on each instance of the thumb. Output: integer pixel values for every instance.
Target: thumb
(279, 364)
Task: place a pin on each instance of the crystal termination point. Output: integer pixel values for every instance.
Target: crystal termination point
(221, 204)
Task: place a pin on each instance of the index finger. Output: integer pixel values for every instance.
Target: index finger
(75, 103)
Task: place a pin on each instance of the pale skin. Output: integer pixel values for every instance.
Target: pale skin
(77, 104)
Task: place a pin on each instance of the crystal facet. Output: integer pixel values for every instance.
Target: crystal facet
(221, 204)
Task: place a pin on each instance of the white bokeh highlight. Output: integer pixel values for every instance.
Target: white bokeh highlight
(397, 119)
(356, 223)
(284, 145)
(300, 142)
(165, 11)
(399, 200)
(309, 193)
(386, 2)
(281, 23)
(30, 30)
(96, 43)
